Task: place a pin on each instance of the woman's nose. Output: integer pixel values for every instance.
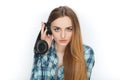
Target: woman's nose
(63, 34)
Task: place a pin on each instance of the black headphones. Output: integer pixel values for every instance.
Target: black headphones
(41, 46)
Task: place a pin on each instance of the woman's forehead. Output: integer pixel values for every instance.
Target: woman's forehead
(62, 22)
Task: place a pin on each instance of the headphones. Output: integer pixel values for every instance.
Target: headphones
(41, 46)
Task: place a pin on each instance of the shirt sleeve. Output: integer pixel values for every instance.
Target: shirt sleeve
(89, 58)
(34, 69)
(39, 67)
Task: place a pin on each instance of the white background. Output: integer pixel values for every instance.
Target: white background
(20, 24)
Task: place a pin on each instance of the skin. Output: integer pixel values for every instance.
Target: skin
(61, 30)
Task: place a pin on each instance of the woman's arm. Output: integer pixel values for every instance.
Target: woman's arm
(89, 58)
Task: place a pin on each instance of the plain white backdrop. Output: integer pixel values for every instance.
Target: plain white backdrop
(20, 24)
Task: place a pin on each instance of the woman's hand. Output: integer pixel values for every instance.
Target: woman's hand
(47, 38)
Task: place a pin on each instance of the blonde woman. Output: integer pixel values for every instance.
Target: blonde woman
(67, 58)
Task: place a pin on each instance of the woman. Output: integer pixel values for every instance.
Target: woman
(67, 57)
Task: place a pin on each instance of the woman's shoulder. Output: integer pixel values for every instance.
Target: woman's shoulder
(89, 55)
(89, 59)
(88, 50)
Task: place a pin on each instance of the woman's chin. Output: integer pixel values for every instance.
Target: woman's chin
(63, 44)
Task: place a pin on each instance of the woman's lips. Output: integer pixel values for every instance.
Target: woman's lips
(63, 41)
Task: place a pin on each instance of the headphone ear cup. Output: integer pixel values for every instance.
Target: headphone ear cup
(42, 46)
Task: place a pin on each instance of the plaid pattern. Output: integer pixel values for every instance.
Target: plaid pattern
(49, 65)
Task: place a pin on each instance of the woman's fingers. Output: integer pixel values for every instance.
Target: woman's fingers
(43, 32)
(49, 39)
(42, 27)
(44, 36)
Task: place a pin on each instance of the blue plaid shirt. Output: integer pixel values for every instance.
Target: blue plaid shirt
(45, 66)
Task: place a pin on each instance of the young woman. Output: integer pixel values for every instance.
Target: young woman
(67, 57)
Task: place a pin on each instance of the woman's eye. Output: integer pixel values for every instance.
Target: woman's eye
(69, 29)
(56, 29)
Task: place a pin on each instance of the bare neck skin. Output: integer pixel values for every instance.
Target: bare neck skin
(60, 53)
(59, 48)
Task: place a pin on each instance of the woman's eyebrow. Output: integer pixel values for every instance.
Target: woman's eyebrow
(69, 27)
(60, 27)
(55, 27)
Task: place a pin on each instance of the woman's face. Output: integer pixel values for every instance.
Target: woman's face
(62, 30)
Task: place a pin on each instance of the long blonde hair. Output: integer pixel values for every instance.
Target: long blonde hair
(73, 60)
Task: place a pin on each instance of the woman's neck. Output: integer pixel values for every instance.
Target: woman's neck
(59, 48)
(60, 53)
